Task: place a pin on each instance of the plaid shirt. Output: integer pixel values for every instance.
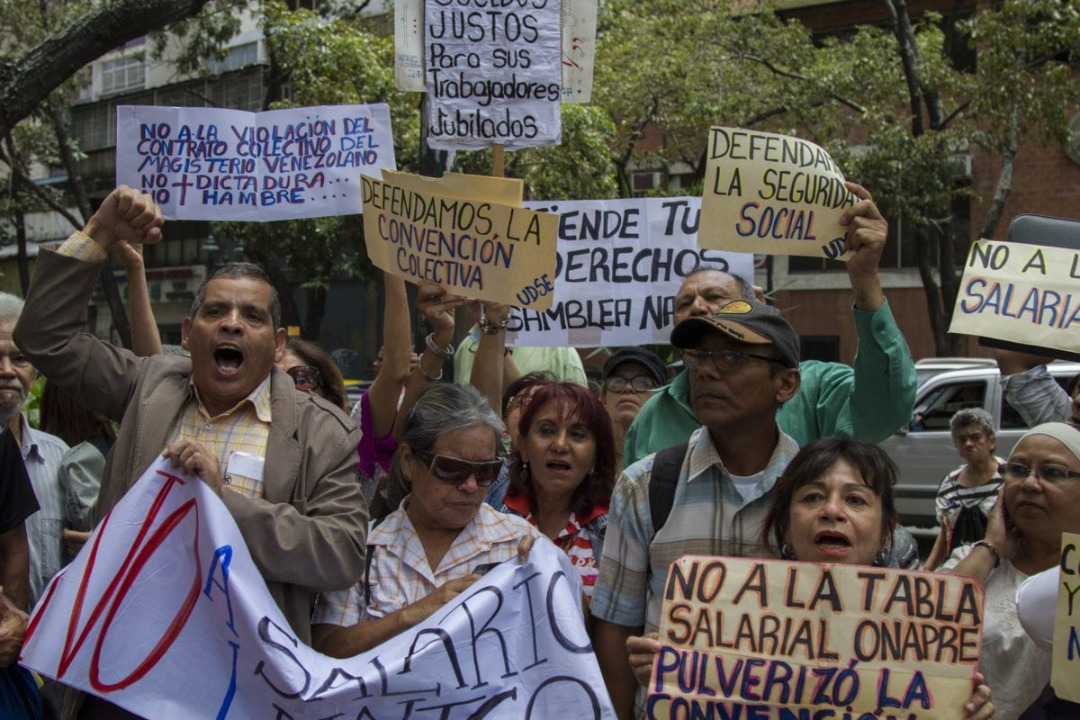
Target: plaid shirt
(243, 428)
(708, 516)
(400, 574)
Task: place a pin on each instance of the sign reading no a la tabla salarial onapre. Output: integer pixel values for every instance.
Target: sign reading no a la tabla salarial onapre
(780, 640)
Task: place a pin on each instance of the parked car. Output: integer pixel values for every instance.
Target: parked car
(923, 449)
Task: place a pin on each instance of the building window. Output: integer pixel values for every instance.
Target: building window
(237, 57)
(95, 126)
(123, 75)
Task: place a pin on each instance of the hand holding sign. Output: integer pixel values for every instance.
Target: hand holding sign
(192, 458)
(867, 232)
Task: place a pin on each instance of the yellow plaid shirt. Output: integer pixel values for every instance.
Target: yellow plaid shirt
(244, 428)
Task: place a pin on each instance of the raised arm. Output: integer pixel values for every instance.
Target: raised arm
(489, 365)
(145, 336)
(438, 308)
(884, 380)
(385, 391)
(1031, 389)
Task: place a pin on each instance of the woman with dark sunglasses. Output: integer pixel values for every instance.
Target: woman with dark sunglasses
(563, 472)
(314, 371)
(440, 538)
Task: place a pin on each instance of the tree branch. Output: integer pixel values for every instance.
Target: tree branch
(768, 65)
(27, 80)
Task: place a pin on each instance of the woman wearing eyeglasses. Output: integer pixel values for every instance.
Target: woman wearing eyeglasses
(629, 377)
(1040, 499)
(428, 550)
(562, 476)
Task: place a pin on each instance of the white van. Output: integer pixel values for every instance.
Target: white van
(923, 449)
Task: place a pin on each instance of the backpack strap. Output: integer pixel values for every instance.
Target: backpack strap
(665, 474)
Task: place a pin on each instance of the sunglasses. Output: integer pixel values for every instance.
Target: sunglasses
(456, 471)
(305, 376)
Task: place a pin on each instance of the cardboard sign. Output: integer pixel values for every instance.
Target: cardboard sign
(1020, 292)
(619, 267)
(772, 194)
(471, 247)
(215, 164)
(772, 639)
(1065, 667)
(164, 614)
(493, 73)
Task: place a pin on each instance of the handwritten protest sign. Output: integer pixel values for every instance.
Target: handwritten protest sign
(164, 613)
(1020, 292)
(216, 164)
(578, 49)
(772, 194)
(783, 640)
(1066, 654)
(481, 249)
(620, 264)
(493, 73)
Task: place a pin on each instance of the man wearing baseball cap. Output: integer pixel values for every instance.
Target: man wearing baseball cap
(743, 365)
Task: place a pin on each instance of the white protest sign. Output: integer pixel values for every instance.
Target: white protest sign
(1022, 293)
(164, 614)
(493, 73)
(216, 164)
(619, 266)
(578, 49)
(409, 45)
(772, 194)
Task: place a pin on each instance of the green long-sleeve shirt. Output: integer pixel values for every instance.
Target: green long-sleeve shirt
(869, 401)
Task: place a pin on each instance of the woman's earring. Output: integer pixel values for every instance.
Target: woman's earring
(882, 557)
(786, 552)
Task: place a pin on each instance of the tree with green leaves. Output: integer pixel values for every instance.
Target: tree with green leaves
(897, 103)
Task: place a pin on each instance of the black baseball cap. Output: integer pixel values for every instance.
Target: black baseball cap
(748, 322)
(649, 359)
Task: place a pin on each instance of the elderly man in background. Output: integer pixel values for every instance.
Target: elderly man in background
(41, 453)
(283, 462)
(869, 401)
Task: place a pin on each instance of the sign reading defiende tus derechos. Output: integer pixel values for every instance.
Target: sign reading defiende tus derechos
(493, 73)
(772, 194)
(781, 640)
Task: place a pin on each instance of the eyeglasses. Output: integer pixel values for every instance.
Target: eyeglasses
(1017, 472)
(722, 360)
(457, 471)
(305, 376)
(640, 383)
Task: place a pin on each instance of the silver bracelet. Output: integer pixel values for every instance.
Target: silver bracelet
(420, 367)
(445, 353)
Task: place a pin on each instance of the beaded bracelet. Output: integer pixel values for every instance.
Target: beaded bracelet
(445, 353)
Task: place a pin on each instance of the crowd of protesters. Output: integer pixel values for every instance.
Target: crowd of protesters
(365, 520)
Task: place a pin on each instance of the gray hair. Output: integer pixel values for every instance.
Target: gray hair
(11, 306)
(972, 416)
(447, 407)
(240, 270)
(746, 290)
